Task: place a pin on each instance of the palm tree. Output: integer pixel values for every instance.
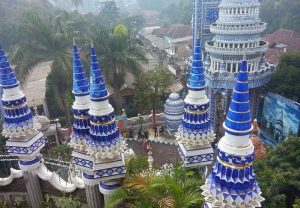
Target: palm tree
(48, 39)
(121, 52)
(176, 190)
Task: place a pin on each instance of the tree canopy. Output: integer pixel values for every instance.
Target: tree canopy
(286, 79)
(281, 14)
(279, 175)
(150, 88)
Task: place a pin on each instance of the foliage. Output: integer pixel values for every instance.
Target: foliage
(121, 52)
(77, 3)
(178, 12)
(68, 202)
(10, 16)
(109, 14)
(281, 14)
(2, 141)
(279, 174)
(150, 88)
(286, 80)
(62, 152)
(49, 38)
(136, 164)
(147, 189)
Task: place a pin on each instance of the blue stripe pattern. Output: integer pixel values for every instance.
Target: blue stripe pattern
(196, 80)
(239, 116)
(98, 88)
(7, 76)
(80, 133)
(80, 81)
(17, 115)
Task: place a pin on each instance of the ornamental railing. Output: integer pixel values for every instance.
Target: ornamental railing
(228, 30)
(236, 51)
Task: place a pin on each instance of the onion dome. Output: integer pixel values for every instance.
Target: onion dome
(195, 129)
(106, 141)
(232, 182)
(174, 110)
(80, 108)
(18, 119)
(196, 80)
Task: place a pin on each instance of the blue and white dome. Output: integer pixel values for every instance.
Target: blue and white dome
(18, 119)
(80, 134)
(106, 141)
(195, 129)
(174, 110)
(232, 182)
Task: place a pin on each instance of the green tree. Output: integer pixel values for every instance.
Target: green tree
(286, 79)
(177, 190)
(150, 88)
(121, 52)
(109, 14)
(279, 174)
(49, 38)
(178, 12)
(62, 152)
(281, 14)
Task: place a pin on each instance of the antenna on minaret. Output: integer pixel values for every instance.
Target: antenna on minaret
(92, 43)
(74, 43)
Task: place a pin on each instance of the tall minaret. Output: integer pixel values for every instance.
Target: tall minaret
(232, 182)
(21, 129)
(195, 133)
(80, 137)
(106, 145)
(81, 106)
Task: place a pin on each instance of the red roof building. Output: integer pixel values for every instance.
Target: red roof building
(280, 42)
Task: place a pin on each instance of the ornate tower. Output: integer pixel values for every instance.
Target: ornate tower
(205, 13)
(80, 137)
(195, 133)
(174, 109)
(106, 144)
(21, 129)
(238, 30)
(232, 182)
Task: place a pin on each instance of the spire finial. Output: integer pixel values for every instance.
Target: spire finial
(92, 43)
(196, 80)
(80, 81)
(98, 88)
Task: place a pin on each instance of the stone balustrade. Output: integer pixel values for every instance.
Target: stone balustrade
(236, 51)
(242, 30)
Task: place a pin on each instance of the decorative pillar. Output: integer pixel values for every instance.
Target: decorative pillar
(106, 145)
(232, 182)
(195, 133)
(80, 136)
(21, 129)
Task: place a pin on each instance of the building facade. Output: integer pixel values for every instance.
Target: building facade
(206, 12)
(236, 32)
